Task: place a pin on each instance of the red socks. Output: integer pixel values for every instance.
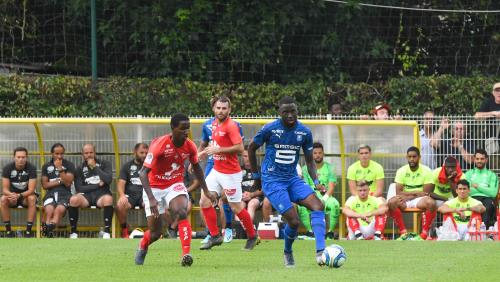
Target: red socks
(211, 220)
(145, 240)
(427, 218)
(397, 215)
(380, 221)
(185, 235)
(353, 224)
(245, 218)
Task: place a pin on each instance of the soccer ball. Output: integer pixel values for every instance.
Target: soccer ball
(334, 256)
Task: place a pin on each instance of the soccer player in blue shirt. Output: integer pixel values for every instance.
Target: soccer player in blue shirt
(284, 138)
(206, 139)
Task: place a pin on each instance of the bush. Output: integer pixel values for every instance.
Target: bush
(60, 96)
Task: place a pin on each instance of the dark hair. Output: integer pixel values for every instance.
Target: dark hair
(55, 146)
(20, 149)
(364, 146)
(139, 145)
(286, 100)
(450, 161)
(482, 152)
(464, 182)
(222, 99)
(318, 145)
(177, 118)
(413, 149)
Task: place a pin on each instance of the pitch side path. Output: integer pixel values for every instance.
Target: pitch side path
(113, 260)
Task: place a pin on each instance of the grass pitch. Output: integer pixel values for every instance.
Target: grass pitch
(113, 260)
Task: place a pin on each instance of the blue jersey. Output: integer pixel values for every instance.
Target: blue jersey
(206, 136)
(282, 149)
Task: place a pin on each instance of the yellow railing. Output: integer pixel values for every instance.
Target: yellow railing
(348, 134)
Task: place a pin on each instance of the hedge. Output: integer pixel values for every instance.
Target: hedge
(60, 96)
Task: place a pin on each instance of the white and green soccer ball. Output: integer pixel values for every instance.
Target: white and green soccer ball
(334, 256)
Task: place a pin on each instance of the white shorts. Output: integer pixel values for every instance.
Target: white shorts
(367, 230)
(163, 197)
(229, 183)
(413, 203)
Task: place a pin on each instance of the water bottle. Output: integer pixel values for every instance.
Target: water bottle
(483, 231)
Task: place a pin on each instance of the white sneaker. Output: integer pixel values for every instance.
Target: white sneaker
(204, 241)
(106, 235)
(73, 236)
(228, 235)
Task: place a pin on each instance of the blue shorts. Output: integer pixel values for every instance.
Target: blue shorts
(281, 194)
(208, 167)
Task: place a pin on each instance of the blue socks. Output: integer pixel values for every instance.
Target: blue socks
(228, 214)
(319, 228)
(290, 235)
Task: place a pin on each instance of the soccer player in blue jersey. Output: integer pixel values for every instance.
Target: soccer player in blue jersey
(284, 138)
(206, 140)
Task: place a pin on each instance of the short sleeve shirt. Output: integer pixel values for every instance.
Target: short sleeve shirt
(374, 171)
(226, 134)
(130, 173)
(359, 206)
(167, 161)
(52, 174)
(457, 203)
(326, 175)
(414, 181)
(440, 188)
(19, 178)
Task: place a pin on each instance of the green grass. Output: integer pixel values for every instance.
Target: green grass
(100, 260)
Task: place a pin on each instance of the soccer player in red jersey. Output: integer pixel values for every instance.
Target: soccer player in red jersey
(162, 177)
(226, 175)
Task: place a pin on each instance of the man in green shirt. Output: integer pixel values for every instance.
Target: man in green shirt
(483, 185)
(413, 187)
(462, 209)
(366, 169)
(365, 214)
(445, 179)
(327, 178)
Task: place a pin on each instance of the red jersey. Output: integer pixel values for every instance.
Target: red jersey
(167, 161)
(226, 134)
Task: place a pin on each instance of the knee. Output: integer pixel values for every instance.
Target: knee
(430, 204)
(293, 223)
(181, 214)
(205, 201)
(4, 201)
(31, 200)
(74, 201)
(319, 206)
(107, 200)
(155, 235)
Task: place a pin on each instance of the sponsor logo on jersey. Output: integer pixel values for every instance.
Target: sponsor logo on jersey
(93, 179)
(285, 146)
(299, 138)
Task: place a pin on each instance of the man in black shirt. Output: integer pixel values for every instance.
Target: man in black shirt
(18, 189)
(92, 179)
(490, 111)
(57, 177)
(129, 186)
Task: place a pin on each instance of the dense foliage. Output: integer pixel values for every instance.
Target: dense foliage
(253, 41)
(117, 96)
